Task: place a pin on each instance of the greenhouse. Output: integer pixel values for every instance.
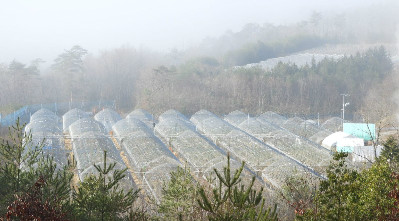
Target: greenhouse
(319, 136)
(79, 127)
(366, 153)
(142, 115)
(308, 153)
(213, 126)
(304, 128)
(130, 127)
(172, 127)
(255, 153)
(201, 154)
(151, 160)
(89, 149)
(333, 124)
(147, 156)
(173, 114)
(272, 117)
(71, 116)
(46, 132)
(107, 118)
(44, 113)
(44, 126)
(155, 177)
(197, 151)
(201, 115)
(236, 117)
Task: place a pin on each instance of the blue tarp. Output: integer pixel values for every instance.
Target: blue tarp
(364, 131)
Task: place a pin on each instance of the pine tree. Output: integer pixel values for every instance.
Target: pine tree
(338, 191)
(23, 163)
(230, 200)
(101, 198)
(179, 197)
(391, 150)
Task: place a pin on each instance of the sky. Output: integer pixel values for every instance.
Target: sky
(45, 28)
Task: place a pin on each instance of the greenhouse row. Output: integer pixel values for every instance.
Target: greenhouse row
(201, 155)
(46, 130)
(150, 159)
(308, 153)
(71, 116)
(274, 166)
(89, 145)
(305, 128)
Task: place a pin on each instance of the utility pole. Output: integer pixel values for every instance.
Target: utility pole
(343, 107)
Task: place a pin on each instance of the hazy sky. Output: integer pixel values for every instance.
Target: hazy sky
(44, 28)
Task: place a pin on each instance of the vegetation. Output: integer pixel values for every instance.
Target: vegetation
(130, 76)
(22, 165)
(179, 197)
(348, 194)
(33, 187)
(101, 198)
(230, 200)
(286, 88)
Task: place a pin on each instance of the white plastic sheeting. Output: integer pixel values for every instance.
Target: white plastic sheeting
(45, 128)
(173, 114)
(350, 141)
(143, 116)
(107, 118)
(129, 127)
(71, 116)
(297, 59)
(341, 139)
(44, 114)
(79, 127)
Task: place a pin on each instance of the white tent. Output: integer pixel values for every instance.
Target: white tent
(341, 139)
(347, 144)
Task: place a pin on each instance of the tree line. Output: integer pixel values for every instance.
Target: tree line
(124, 76)
(286, 88)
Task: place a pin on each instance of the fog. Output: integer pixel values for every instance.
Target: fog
(44, 28)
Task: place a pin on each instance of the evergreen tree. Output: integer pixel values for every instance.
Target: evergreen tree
(391, 150)
(371, 194)
(230, 200)
(336, 193)
(101, 198)
(23, 163)
(179, 197)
